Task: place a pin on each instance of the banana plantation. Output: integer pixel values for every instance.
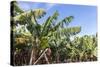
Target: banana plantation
(51, 42)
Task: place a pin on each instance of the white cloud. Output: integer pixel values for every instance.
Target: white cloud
(49, 6)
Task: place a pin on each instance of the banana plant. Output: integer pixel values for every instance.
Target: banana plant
(86, 47)
(91, 46)
(42, 34)
(21, 18)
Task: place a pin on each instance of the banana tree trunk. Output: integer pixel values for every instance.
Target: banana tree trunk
(32, 58)
(34, 51)
(57, 59)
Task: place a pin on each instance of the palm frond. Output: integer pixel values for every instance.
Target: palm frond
(49, 22)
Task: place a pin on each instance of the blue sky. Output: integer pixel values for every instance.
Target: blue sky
(84, 16)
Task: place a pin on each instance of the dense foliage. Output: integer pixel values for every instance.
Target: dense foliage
(50, 42)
